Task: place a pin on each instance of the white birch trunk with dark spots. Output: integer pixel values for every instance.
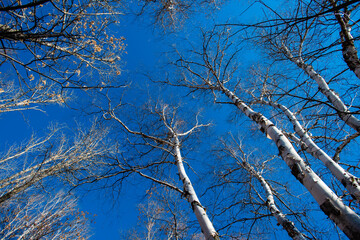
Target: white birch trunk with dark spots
(189, 193)
(333, 97)
(347, 179)
(282, 220)
(349, 50)
(344, 217)
(206, 225)
(350, 53)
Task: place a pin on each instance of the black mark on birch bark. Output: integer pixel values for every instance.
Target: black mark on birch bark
(297, 172)
(329, 208)
(194, 204)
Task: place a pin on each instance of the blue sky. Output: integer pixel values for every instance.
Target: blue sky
(147, 49)
(143, 52)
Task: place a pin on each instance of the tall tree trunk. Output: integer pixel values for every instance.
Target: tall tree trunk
(345, 218)
(282, 220)
(206, 225)
(324, 88)
(347, 179)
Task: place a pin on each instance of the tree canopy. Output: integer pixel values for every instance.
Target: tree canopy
(244, 128)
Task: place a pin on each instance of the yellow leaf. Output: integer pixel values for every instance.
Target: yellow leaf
(97, 49)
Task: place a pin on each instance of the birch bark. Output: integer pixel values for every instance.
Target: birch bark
(282, 220)
(206, 225)
(347, 179)
(344, 217)
(333, 97)
(349, 50)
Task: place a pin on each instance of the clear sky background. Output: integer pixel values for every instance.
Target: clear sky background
(146, 52)
(147, 48)
(143, 51)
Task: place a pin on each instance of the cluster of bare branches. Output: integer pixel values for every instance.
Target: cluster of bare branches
(46, 48)
(34, 216)
(306, 105)
(29, 180)
(173, 13)
(50, 46)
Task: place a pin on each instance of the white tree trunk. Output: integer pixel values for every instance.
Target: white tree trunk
(345, 218)
(347, 179)
(349, 50)
(206, 225)
(333, 97)
(350, 53)
(288, 225)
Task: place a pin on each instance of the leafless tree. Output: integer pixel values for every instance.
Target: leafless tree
(255, 202)
(50, 46)
(163, 132)
(36, 216)
(162, 216)
(52, 156)
(213, 68)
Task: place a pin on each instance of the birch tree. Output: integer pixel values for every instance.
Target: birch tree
(213, 68)
(51, 47)
(29, 180)
(166, 139)
(162, 216)
(244, 174)
(37, 216)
